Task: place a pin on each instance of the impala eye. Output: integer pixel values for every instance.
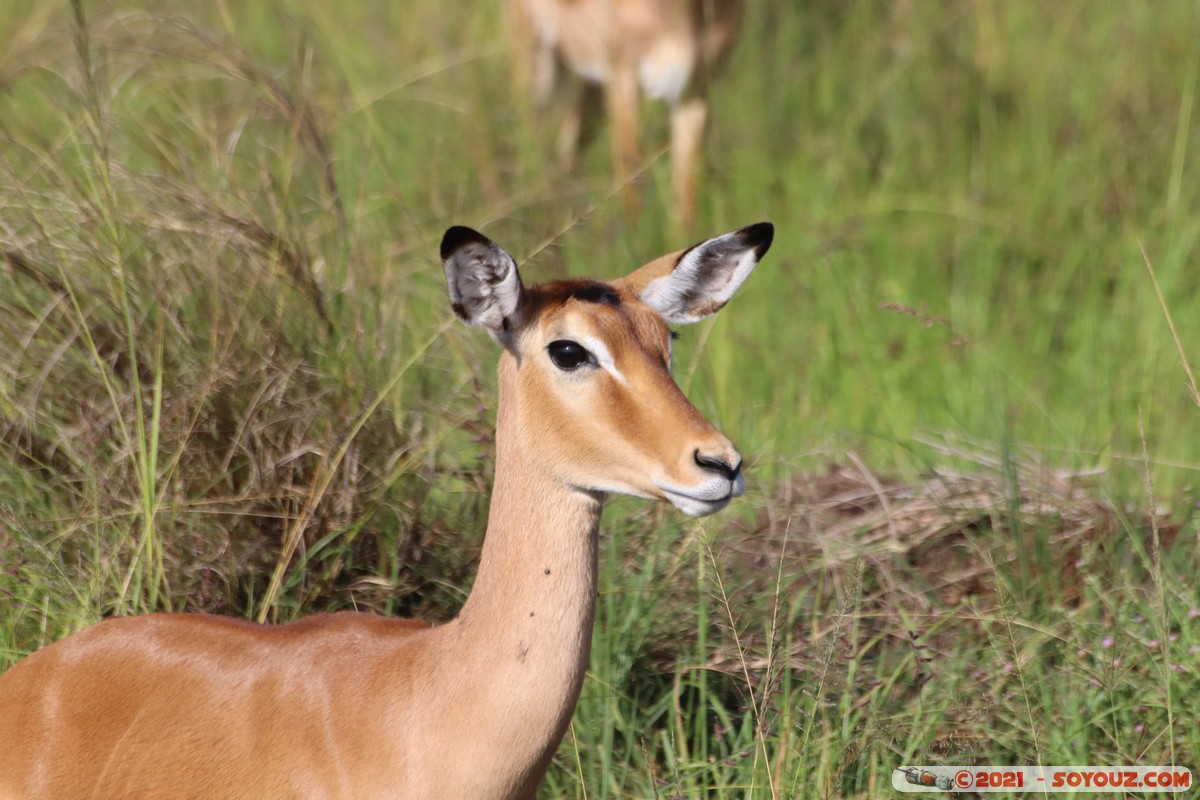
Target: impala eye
(568, 355)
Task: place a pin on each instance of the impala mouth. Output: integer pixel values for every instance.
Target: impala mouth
(707, 498)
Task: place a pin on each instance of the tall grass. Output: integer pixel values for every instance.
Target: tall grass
(231, 383)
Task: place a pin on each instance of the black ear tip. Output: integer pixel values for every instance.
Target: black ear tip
(459, 235)
(759, 236)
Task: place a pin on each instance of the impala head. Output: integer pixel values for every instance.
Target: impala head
(586, 387)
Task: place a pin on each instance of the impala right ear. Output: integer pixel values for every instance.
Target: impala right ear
(485, 287)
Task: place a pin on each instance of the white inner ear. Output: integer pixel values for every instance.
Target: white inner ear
(485, 282)
(705, 278)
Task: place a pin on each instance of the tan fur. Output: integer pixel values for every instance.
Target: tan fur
(667, 48)
(660, 267)
(354, 706)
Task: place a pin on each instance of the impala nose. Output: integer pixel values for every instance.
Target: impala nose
(721, 466)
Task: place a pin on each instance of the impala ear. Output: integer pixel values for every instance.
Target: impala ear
(691, 284)
(485, 287)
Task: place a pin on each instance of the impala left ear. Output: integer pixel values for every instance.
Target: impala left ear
(691, 284)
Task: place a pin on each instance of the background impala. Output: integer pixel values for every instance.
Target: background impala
(627, 50)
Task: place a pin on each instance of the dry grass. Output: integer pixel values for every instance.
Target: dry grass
(175, 384)
(940, 537)
(952, 542)
(248, 415)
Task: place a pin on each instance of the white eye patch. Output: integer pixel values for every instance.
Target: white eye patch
(602, 355)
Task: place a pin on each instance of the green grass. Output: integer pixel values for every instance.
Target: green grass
(231, 380)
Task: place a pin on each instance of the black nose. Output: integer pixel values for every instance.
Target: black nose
(717, 465)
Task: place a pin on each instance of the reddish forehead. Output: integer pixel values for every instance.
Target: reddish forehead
(610, 307)
(546, 296)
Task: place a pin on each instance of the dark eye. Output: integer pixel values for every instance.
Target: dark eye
(568, 355)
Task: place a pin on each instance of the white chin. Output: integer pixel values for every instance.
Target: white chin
(708, 498)
(695, 506)
(698, 508)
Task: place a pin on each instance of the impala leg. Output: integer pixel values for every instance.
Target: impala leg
(622, 102)
(532, 59)
(543, 76)
(688, 119)
(571, 125)
(582, 104)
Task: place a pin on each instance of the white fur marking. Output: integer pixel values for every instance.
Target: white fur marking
(603, 357)
(668, 294)
(666, 70)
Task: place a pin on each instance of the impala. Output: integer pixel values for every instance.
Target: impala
(351, 705)
(666, 49)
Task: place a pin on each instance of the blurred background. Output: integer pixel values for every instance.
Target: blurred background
(963, 377)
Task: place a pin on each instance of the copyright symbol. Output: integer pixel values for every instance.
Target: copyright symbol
(962, 779)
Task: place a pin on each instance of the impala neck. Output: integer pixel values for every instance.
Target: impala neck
(528, 619)
(539, 553)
